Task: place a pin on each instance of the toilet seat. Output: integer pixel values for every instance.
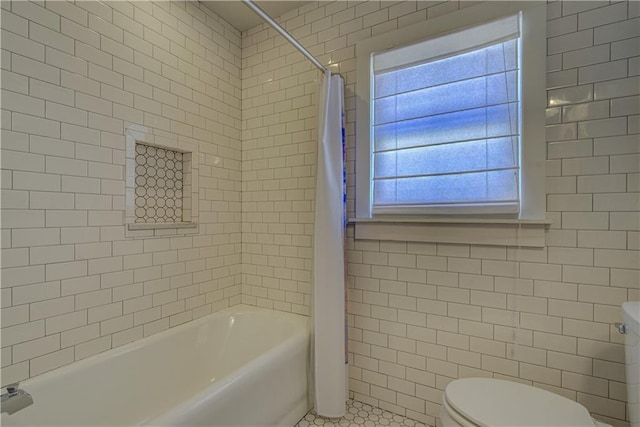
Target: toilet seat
(488, 402)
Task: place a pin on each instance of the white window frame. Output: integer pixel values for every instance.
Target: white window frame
(533, 98)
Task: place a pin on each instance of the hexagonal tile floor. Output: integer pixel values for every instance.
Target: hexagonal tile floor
(360, 415)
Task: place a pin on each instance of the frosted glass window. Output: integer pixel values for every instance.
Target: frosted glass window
(446, 125)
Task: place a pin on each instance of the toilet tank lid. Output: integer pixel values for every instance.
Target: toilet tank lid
(631, 312)
(493, 402)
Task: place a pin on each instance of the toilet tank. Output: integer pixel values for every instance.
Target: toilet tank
(631, 313)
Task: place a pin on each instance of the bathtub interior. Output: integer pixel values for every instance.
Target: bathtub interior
(133, 384)
(247, 335)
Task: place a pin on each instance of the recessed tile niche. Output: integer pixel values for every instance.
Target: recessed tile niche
(161, 184)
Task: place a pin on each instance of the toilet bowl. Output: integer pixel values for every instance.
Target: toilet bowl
(489, 402)
(631, 313)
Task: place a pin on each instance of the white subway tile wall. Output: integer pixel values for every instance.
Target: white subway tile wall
(74, 76)
(423, 314)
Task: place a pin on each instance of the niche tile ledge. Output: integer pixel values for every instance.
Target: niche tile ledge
(161, 225)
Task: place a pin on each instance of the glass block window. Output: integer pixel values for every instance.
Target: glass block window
(158, 185)
(445, 118)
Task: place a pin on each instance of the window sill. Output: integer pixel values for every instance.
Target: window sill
(161, 225)
(501, 232)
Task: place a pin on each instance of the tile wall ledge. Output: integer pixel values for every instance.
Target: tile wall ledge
(543, 222)
(498, 232)
(161, 225)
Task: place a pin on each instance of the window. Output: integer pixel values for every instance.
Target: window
(445, 123)
(455, 119)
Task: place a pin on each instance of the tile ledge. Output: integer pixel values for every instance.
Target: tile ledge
(499, 232)
(161, 225)
(542, 222)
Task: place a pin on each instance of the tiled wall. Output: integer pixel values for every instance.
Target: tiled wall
(74, 76)
(423, 314)
(278, 168)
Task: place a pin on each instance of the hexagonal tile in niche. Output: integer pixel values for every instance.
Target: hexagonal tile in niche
(158, 185)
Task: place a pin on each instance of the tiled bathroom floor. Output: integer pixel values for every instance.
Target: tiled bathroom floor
(359, 415)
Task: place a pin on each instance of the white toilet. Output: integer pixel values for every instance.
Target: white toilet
(492, 402)
(489, 402)
(631, 313)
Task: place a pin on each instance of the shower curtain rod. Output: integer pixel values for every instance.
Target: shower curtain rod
(284, 33)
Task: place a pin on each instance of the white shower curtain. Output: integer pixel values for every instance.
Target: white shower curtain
(329, 327)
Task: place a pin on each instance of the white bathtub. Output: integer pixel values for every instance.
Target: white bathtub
(243, 366)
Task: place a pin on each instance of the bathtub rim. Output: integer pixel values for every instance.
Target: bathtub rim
(130, 347)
